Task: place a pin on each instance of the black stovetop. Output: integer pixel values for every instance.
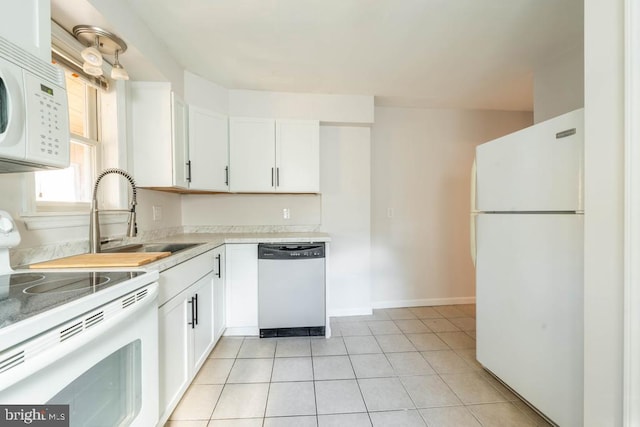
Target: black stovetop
(26, 294)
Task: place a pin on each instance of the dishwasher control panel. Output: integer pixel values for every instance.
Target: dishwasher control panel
(290, 251)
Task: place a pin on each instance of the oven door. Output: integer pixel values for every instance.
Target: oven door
(108, 373)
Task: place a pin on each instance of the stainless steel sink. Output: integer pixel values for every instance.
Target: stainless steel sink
(153, 247)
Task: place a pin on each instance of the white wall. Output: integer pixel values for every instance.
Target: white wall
(558, 85)
(604, 204)
(323, 107)
(205, 94)
(250, 209)
(421, 160)
(169, 204)
(345, 182)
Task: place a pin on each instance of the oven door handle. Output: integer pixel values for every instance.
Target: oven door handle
(57, 350)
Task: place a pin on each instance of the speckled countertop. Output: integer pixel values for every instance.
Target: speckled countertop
(208, 241)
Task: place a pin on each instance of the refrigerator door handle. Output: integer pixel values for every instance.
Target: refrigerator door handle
(473, 186)
(472, 238)
(472, 225)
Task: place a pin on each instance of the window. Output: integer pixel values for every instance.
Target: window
(70, 189)
(62, 198)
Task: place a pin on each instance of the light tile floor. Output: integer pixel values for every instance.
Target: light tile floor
(397, 367)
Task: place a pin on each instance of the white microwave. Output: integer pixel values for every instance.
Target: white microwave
(34, 117)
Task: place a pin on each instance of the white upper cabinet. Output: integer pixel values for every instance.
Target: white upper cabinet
(297, 156)
(269, 155)
(208, 150)
(252, 155)
(180, 165)
(27, 23)
(158, 134)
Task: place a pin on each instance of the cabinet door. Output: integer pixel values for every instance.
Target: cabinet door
(181, 172)
(252, 155)
(298, 156)
(219, 293)
(173, 353)
(208, 150)
(203, 329)
(27, 23)
(159, 135)
(150, 129)
(242, 289)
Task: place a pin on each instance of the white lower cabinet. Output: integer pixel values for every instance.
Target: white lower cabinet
(173, 356)
(186, 326)
(242, 289)
(201, 299)
(201, 321)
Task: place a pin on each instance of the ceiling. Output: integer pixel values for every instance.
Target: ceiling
(427, 53)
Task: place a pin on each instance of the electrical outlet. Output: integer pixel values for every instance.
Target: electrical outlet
(157, 213)
(390, 212)
(286, 213)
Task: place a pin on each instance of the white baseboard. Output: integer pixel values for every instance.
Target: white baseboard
(424, 302)
(242, 331)
(357, 311)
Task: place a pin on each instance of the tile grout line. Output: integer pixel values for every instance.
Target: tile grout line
(358, 384)
(266, 403)
(313, 382)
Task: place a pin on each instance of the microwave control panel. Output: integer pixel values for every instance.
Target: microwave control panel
(47, 113)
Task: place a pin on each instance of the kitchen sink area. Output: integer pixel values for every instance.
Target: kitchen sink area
(152, 247)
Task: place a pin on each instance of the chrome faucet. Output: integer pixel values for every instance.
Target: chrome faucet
(94, 223)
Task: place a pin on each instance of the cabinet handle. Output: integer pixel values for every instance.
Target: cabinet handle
(219, 258)
(272, 177)
(277, 177)
(193, 314)
(189, 171)
(196, 305)
(226, 175)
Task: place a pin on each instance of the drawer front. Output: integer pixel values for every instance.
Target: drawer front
(178, 278)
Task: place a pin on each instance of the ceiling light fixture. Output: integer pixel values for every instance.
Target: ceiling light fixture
(118, 72)
(100, 42)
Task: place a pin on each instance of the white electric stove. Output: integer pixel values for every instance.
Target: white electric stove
(87, 339)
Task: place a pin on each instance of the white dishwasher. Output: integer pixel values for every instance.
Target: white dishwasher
(291, 289)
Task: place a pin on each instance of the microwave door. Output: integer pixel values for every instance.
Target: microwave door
(11, 111)
(4, 107)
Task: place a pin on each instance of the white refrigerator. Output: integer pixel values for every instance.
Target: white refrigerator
(527, 245)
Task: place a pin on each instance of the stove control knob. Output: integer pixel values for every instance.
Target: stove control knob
(6, 225)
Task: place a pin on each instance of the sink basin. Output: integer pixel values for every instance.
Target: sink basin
(153, 247)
